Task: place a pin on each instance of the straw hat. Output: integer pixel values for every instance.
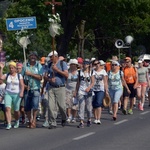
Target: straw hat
(106, 101)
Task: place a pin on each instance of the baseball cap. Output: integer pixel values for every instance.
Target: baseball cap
(128, 58)
(80, 60)
(12, 63)
(140, 61)
(102, 62)
(42, 60)
(115, 62)
(33, 53)
(51, 54)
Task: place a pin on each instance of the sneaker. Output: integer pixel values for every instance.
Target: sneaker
(139, 105)
(63, 123)
(8, 127)
(89, 123)
(16, 125)
(95, 121)
(38, 118)
(68, 120)
(134, 106)
(130, 112)
(45, 124)
(81, 125)
(111, 112)
(99, 122)
(73, 120)
(124, 112)
(141, 108)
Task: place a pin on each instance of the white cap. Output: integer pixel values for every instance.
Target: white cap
(140, 61)
(92, 59)
(102, 62)
(115, 62)
(73, 61)
(51, 54)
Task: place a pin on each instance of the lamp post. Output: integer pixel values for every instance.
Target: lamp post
(127, 44)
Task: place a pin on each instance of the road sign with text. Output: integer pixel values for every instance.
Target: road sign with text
(21, 23)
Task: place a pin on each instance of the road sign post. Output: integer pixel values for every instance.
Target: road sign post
(21, 23)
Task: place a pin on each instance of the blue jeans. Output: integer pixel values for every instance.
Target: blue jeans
(32, 101)
(98, 99)
(115, 95)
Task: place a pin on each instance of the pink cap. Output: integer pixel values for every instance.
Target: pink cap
(19, 64)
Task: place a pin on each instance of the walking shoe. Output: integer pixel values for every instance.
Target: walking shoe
(124, 112)
(81, 125)
(141, 108)
(52, 127)
(45, 124)
(89, 123)
(63, 123)
(134, 106)
(8, 126)
(130, 112)
(16, 125)
(38, 118)
(68, 120)
(99, 122)
(95, 121)
(73, 120)
(111, 112)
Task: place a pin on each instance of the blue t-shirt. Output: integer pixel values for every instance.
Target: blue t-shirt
(36, 69)
(60, 80)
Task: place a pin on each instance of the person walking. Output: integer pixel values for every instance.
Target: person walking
(56, 75)
(71, 100)
(100, 88)
(33, 73)
(84, 93)
(13, 93)
(115, 85)
(131, 78)
(143, 82)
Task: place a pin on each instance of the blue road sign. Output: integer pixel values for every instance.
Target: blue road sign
(21, 23)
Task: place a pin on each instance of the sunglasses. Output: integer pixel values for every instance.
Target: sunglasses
(127, 61)
(114, 64)
(96, 64)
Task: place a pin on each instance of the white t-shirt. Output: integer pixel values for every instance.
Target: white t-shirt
(12, 83)
(99, 80)
(85, 81)
(2, 91)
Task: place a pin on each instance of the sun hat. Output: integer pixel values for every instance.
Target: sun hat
(101, 62)
(106, 101)
(92, 59)
(51, 54)
(73, 61)
(12, 63)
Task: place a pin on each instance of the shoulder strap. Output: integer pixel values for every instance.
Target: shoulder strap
(61, 64)
(120, 74)
(7, 76)
(79, 73)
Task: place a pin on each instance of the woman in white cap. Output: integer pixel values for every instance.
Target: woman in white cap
(13, 94)
(71, 100)
(115, 80)
(143, 82)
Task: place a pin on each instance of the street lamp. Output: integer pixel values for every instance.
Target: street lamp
(127, 44)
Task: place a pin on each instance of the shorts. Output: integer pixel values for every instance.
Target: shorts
(10, 98)
(2, 107)
(133, 91)
(98, 99)
(144, 84)
(115, 95)
(32, 101)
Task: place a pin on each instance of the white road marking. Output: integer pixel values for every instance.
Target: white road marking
(122, 121)
(145, 112)
(84, 136)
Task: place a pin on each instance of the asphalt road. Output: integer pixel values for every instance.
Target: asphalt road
(128, 132)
